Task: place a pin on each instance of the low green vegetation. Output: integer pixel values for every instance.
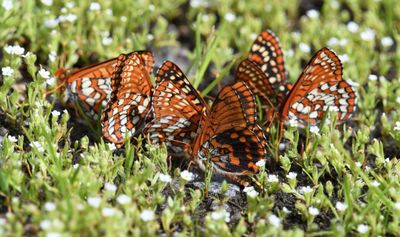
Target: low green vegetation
(57, 182)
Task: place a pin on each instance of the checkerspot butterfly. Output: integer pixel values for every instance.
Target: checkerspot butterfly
(319, 88)
(225, 136)
(129, 105)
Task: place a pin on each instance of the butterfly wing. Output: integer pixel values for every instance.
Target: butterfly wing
(319, 88)
(177, 110)
(130, 98)
(267, 54)
(230, 137)
(89, 87)
(257, 80)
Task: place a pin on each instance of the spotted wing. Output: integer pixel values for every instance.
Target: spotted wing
(230, 137)
(267, 54)
(129, 105)
(177, 110)
(319, 88)
(257, 80)
(87, 89)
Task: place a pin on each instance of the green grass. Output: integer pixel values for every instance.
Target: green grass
(345, 183)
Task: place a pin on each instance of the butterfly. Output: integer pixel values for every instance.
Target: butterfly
(128, 108)
(87, 90)
(319, 88)
(225, 136)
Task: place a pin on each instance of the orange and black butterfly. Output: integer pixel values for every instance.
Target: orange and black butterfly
(225, 136)
(88, 89)
(128, 108)
(319, 88)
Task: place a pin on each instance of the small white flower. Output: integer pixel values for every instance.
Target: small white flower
(397, 126)
(358, 164)
(123, 199)
(375, 183)
(230, 17)
(314, 129)
(107, 41)
(44, 73)
(123, 18)
(313, 14)
(110, 187)
(70, 4)
(341, 206)
(362, 229)
(7, 5)
(285, 210)
(368, 34)
(352, 27)
(398, 99)
(94, 201)
(221, 214)
(343, 42)
(186, 175)
(387, 41)
(306, 189)
(198, 3)
(2, 221)
(55, 113)
(397, 205)
(109, 12)
(50, 23)
(260, 163)
(152, 8)
(291, 175)
(45, 224)
(94, 6)
(147, 215)
(252, 193)
(37, 145)
(272, 178)
(111, 146)
(313, 211)
(49, 206)
(304, 47)
(53, 234)
(12, 139)
(7, 71)
(71, 17)
(47, 2)
(333, 42)
(108, 211)
(289, 52)
(344, 58)
(248, 189)
(16, 49)
(372, 77)
(51, 81)
(150, 37)
(274, 220)
(166, 178)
